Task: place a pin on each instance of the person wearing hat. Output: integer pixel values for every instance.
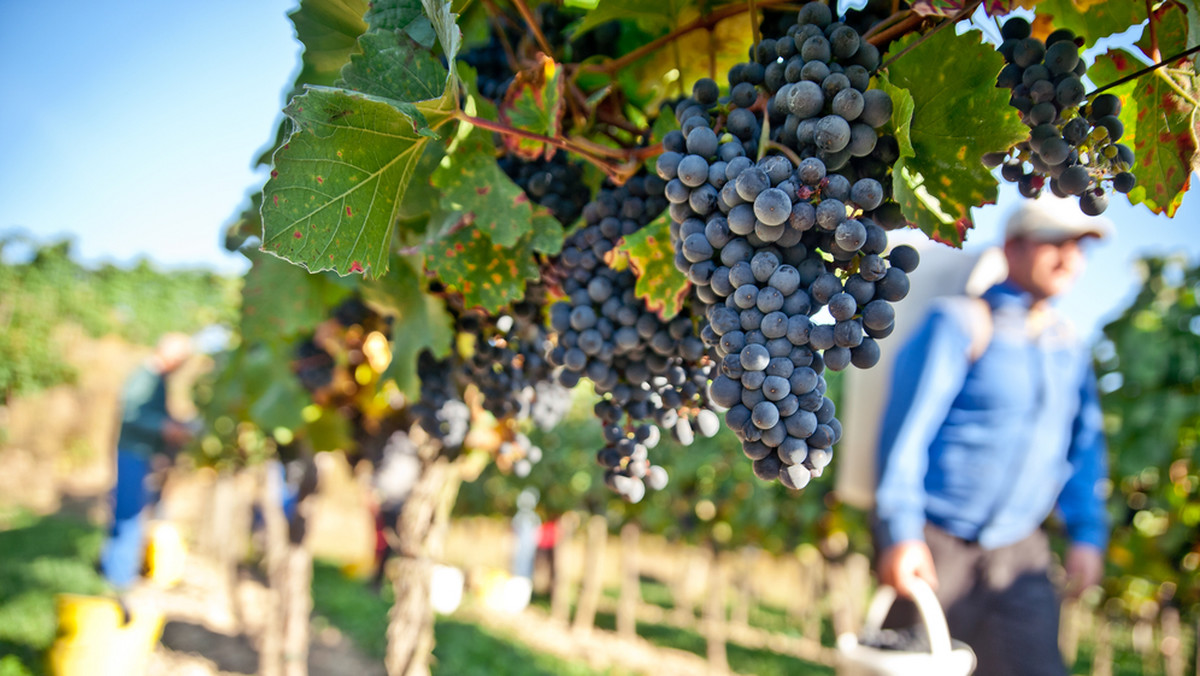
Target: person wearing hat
(147, 431)
(992, 424)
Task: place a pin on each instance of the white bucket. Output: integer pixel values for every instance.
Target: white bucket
(943, 659)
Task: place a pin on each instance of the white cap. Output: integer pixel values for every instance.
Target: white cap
(1053, 219)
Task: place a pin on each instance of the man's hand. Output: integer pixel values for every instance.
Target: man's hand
(905, 561)
(176, 433)
(1084, 567)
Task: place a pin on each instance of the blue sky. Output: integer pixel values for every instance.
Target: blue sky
(132, 127)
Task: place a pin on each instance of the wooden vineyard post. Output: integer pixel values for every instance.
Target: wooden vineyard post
(684, 612)
(589, 593)
(631, 593)
(1174, 657)
(1103, 653)
(1142, 636)
(560, 589)
(296, 596)
(858, 579)
(1068, 630)
(420, 534)
(743, 587)
(270, 647)
(714, 615)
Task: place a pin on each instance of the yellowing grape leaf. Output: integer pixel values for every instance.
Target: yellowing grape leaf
(1159, 124)
(534, 103)
(473, 185)
(1092, 19)
(487, 274)
(652, 256)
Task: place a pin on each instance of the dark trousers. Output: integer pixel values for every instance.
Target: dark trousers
(1000, 602)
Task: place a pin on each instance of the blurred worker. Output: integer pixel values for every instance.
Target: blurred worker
(147, 432)
(993, 419)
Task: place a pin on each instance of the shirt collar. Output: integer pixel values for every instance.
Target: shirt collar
(1006, 294)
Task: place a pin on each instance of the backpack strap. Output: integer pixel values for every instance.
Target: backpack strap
(982, 327)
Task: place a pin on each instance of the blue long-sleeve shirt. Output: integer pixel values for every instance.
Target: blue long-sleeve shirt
(985, 449)
(143, 413)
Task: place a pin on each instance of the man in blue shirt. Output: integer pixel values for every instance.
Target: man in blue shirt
(147, 430)
(993, 420)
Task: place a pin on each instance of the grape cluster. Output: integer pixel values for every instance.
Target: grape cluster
(556, 184)
(508, 362)
(312, 365)
(440, 411)
(492, 62)
(343, 334)
(769, 244)
(645, 368)
(1072, 142)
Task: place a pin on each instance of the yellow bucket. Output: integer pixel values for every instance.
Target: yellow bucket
(165, 554)
(94, 640)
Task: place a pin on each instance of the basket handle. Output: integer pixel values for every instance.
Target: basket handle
(928, 607)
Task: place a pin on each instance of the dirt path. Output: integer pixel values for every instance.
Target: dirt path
(210, 631)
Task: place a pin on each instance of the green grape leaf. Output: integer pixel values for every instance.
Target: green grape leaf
(534, 102)
(445, 25)
(1159, 124)
(664, 123)
(487, 274)
(281, 300)
(652, 256)
(1090, 19)
(258, 385)
(329, 31)
(332, 198)
(421, 320)
(958, 115)
(900, 126)
(406, 16)
(393, 66)
(1192, 7)
(474, 185)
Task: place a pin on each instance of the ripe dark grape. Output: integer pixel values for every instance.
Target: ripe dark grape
(1072, 145)
(782, 241)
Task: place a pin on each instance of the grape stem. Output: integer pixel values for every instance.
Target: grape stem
(783, 149)
(534, 28)
(617, 163)
(1136, 74)
(902, 27)
(707, 20)
(753, 23)
(497, 18)
(950, 21)
(1155, 55)
(893, 18)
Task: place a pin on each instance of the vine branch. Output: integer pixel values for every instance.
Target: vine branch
(612, 161)
(706, 21)
(1148, 69)
(891, 19)
(902, 27)
(950, 21)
